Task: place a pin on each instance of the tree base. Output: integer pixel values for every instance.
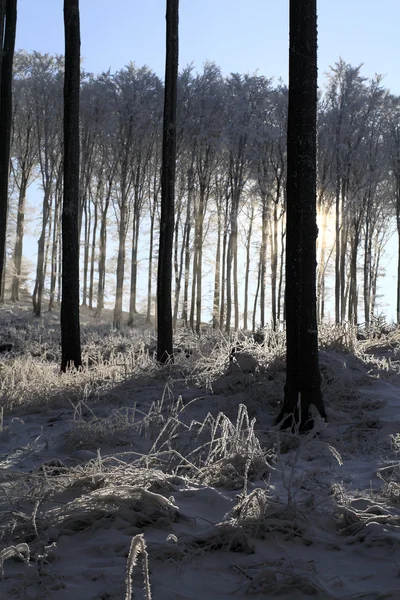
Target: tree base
(295, 411)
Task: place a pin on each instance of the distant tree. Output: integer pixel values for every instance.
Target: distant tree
(303, 386)
(8, 11)
(23, 158)
(164, 277)
(45, 73)
(70, 328)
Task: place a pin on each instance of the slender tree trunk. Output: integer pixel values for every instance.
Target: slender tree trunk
(102, 254)
(134, 268)
(303, 386)
(247, 272)
(337, 256)
(54, 249)
(86, 247)
(321, 266)
(199, 247)
(274, 258)
(228, 285)
(281, 269)
(398, 254)
(186, 241)
(217, 275)
(151, 251)
(193, 294)
(7, 56)
(178, 266)
(59, 260)
(263, 261)
(19, 237)
(343, 247)
(259, 278)
(225, 249)
(375, 273)
(119, 288)
(353, 315)
(164, 279)
(37, 297)
(47, 247)
(93, 256)
(235, 273)
(70, 326)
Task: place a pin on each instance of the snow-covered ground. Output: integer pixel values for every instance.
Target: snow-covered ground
(188, 456)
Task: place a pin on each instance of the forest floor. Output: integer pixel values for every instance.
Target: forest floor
(187, 455)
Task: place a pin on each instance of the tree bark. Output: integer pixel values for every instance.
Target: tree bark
(70, 326)
(7, 56)
(164, 278)
(303, 386)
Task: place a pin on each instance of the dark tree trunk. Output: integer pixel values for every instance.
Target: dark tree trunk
(164, 278)
(303, 386)
(70, 327)
(7, 56)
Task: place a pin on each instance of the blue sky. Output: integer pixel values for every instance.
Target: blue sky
(239, 35)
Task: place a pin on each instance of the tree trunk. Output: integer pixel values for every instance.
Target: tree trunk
(103, 253)
(398, 255)
(303, 386)
(217, 275)
(151, 249)
(281, 269)
(86, 247)
(7, 56)
(257, 292)
(263, 260)
(222, 312)
(93, 256)
(274, 257)
(37, 296)
(70, 326)
(199, 248)
(164, 279)
(134, 268)
(19, 238)
(119, 287)
(55, 242)
(186, 241)
(247, 272)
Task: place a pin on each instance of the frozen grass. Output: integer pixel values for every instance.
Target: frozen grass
(187, 454)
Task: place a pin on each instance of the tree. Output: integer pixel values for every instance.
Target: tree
(23, 157)
(303, 385)
(8, 10)
(164, 277)
(70, 328)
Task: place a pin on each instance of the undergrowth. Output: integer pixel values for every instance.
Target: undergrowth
(203, 422)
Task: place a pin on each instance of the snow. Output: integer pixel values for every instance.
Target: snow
(187, 456)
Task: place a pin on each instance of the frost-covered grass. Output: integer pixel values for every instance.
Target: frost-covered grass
(131, 478)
